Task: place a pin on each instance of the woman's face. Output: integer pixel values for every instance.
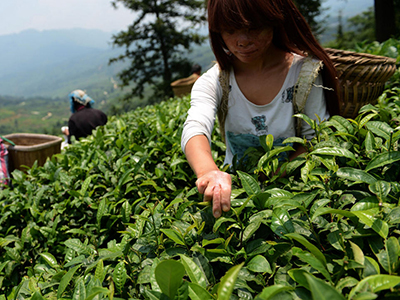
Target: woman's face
(248, 45)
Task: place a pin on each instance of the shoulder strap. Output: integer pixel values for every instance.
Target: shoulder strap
(308, 73)
(223, 106)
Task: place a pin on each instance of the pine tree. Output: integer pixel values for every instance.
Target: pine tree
(311, 9)
(157, 43)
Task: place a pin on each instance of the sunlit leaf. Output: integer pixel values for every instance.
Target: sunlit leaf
(354, 174)
(334, 151)
(375, 283)
(383, 159)
(194, 272)
(259, 264)
(312, 248)
(174, 235)
(65, 280)
(270, 291)
(169, 275)
(379, 226)
(227, 283)
(250, 185)
(119, 276)
(281, 223)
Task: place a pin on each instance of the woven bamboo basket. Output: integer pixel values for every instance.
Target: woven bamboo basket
(183, 87)
(362, 78)
(30, 147)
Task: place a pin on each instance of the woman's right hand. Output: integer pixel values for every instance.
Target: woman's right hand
(216, 186)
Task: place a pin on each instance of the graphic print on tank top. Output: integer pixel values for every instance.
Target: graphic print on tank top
(239, 143)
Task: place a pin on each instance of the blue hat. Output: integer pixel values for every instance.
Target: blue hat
(80, 97)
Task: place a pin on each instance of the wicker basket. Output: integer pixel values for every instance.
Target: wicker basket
(30, 147)
(183, 87)
(362, 77)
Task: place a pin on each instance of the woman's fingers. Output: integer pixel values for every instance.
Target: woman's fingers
(216, 187)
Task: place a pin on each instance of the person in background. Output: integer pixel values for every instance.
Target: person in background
(183, 86)
(196, 71)
(3, 164)
(261, 45)
(84, 117)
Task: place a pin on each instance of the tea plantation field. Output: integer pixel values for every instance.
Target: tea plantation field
(117, 216)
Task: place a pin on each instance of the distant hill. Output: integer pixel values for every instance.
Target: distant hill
(54, 62)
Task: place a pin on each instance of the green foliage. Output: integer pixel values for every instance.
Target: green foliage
(311, 9)
(117, 215)
(157, 43)
(360, 28)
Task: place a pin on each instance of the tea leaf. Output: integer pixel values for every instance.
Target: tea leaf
(355, 175)
(65, 280)
(227, 283)
(371, 267)
(174, 235)
(312, 261)
(375, 283)
(197, 292)
(380, 188)
(357, 253)
(383, 159)
(281, 223)
(101, 211)
(346, 283)
(313, 249)
(259, 264)
(119, 276)
(78, 246)
(326, 210)
(250, 185)
(369, 142)
(126, 177)
(49, 258)
(97, 291)
(334, 151)
(270, 291)
(366, 119)
(379, 226)
(251, 229)
(194, 272)
(393, 250)
(381, 129)
(36, 296)
(267, 142)
(79, 291)
(321, 290)
(342, 124)
(169, 275)
(99, 272)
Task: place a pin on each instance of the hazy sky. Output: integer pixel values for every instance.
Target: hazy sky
(18, 15)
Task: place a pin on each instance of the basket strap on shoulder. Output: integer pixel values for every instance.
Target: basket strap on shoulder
(308, 73)
(223, 106)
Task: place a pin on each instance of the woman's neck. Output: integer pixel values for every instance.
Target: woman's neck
(271, 59)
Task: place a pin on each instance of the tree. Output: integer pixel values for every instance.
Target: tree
(311, 9)
(156, 43)
(385, 23)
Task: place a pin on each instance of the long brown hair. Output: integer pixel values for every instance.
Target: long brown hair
(291, 34)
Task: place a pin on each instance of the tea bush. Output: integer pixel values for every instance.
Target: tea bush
(118, 216)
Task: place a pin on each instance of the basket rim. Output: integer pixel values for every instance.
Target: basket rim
(346, 56)
(51, 140)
